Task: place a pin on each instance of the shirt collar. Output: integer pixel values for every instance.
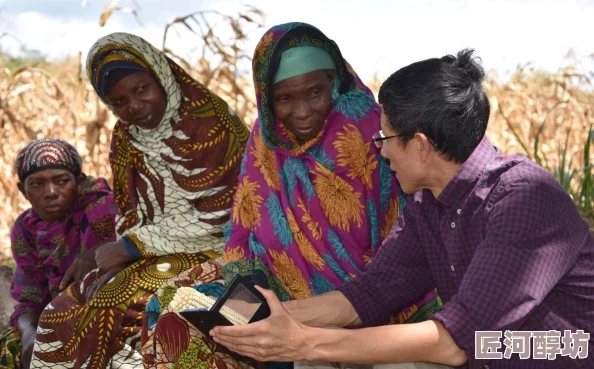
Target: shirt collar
(463, 182)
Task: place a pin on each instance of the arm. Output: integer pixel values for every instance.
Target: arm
(101, 212)
(282, 338)
(244, 253)
(97, 227)
(180, 233)
(331, 309)
(397, 276)
(428, 341)
(29, 284)
(534, 235)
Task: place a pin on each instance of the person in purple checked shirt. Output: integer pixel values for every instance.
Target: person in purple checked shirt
(498, 236)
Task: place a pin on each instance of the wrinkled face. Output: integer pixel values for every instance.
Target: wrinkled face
(138, 99)
(51, 192)
(405, 160)
(303, 102)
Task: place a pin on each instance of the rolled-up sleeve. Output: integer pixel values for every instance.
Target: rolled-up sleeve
(533, 237)
(398, 274)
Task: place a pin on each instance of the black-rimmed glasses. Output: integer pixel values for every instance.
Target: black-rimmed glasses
(378, 138)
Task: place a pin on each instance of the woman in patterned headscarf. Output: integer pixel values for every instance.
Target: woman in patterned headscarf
(175, 156)
(316, 224)
(52, 241)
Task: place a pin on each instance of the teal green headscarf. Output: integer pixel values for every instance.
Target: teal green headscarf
(301, 60)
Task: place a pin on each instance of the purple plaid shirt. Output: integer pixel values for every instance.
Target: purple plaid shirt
(507, 250)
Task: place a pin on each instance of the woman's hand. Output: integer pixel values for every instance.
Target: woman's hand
(277, 338)
(83, 264)
(103, 280)
(110, 256)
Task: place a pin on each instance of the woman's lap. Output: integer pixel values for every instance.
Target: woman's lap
(106, 332)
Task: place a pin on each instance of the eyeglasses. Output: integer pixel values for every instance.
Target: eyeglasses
(378, 138)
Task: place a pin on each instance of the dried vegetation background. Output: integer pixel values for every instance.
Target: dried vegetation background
(546, 117)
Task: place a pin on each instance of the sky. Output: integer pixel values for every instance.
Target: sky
(375, 36)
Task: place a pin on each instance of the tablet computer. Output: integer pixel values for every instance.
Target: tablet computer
(241, 303)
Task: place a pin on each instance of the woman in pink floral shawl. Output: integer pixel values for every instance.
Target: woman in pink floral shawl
(315, 199)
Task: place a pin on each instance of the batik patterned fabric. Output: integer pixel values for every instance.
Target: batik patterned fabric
(311, 215)
(47, 153)
(43, 251)
(10, 349)
(174, 187)
(174, 184)
(169, 341)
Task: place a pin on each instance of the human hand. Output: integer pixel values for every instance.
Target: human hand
(277, 338)
(103, 280)
(110, 256)
(83, 264)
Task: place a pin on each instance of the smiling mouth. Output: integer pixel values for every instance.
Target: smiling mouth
(145, 117)
(308, 129)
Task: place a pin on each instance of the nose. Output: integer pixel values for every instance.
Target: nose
(301, 110)
(134, 106)
(383, 153)
(51, 191)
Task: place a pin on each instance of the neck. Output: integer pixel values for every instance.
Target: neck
(441, 176)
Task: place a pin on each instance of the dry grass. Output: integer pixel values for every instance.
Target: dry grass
(545, 117)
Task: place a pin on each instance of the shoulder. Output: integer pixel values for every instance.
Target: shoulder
(525, 189)
(95, 192)
(359, 110)
(22, 220)
(522, 176)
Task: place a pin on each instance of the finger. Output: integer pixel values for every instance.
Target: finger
(246, 330)
(271, 299)
(67, 276)
(90, 292)
(93, 290)
(77, 277)
(240, 347)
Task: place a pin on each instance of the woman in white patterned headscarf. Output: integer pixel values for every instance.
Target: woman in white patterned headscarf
(175, 155)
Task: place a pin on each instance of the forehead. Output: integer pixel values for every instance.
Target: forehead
(48, 174)
(302, 82)
(129, 82)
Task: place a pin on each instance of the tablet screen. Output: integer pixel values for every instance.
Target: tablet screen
(241, 306)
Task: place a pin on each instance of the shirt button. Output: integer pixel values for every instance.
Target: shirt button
(459, 211)
(452, 268)
(453, 224)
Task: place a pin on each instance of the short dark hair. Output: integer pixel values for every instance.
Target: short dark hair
(441, 98)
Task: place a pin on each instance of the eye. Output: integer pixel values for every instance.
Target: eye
(316, 92)
(63, 181)
(118, 103)
(283, 99)
(141, 89)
